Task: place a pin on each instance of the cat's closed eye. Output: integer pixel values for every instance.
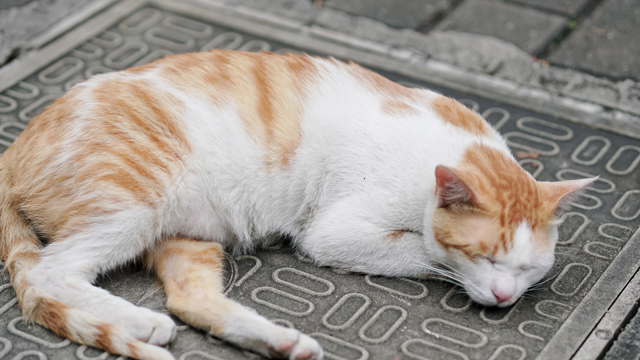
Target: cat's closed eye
(490, 259)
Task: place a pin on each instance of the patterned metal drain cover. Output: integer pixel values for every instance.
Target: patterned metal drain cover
(355, 316)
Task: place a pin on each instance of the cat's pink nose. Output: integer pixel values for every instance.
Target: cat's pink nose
(501, 296)
(504, 288)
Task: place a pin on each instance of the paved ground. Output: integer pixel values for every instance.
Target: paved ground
(581, 50)
(606, 43)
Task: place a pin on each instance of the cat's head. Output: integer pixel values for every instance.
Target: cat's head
(496, 226)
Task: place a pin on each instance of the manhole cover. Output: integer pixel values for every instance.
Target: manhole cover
(351, 315)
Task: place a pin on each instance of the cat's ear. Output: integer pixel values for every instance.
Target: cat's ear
(450, 189)
(561, 193)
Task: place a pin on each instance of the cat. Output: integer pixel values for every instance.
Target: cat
(174, 161)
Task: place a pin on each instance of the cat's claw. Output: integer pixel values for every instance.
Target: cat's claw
(304, 355)
(279, 351)
(304, 348)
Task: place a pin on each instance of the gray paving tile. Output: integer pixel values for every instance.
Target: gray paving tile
(397, 13)
(570, 8)
(606, 43)
(529, 29)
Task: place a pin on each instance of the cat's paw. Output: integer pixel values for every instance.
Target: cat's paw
(164, 330)
(302, 347)
(149, 326)
(306, 348)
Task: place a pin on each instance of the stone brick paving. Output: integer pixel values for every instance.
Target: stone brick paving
(5, 4)
(570, 8)
(607, 43)
(529, 29)
(396, 13)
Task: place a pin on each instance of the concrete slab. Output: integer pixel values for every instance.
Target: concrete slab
(606, 43)
(302, 10)
(570, 8)
(4, 4)
(356, 316)
(613, 322)
(627, 346)
(529, 29)
(396, 13)
(21, 24)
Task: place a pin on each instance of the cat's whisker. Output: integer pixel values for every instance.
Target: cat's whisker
(446, 272)
(544, 281)
(453, 282)
(450, 276)
(461, 291)
(443, 275)
(451, 270)
(540, 284)
(528, 295)
(536, 287)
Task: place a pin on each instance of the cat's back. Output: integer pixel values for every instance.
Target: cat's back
(275, 101)
(262, 126)
(148, 116)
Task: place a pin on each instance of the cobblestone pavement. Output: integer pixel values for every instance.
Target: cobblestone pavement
(477, 51)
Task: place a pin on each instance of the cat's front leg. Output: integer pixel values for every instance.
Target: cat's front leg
(360, 238)
(191, 272)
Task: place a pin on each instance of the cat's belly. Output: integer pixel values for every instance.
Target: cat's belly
(202, 223)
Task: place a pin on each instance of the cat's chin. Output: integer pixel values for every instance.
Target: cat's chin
(494, 303)
(507, 303)
(488, 301)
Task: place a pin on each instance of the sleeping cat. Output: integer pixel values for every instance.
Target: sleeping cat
(173, 161)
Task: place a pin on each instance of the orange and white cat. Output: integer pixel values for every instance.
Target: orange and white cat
(173, 161)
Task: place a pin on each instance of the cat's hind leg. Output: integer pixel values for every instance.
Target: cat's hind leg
(191, 272)
(68, 266)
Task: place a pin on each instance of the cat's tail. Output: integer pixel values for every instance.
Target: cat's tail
(20, 252)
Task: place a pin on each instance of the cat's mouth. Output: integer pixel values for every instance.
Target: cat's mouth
(486, 297)
(474, 293)
(507, 303)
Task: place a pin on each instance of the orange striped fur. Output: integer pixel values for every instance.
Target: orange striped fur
(459, 116)
(505, 195)
(191, 272)
(268, 91)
